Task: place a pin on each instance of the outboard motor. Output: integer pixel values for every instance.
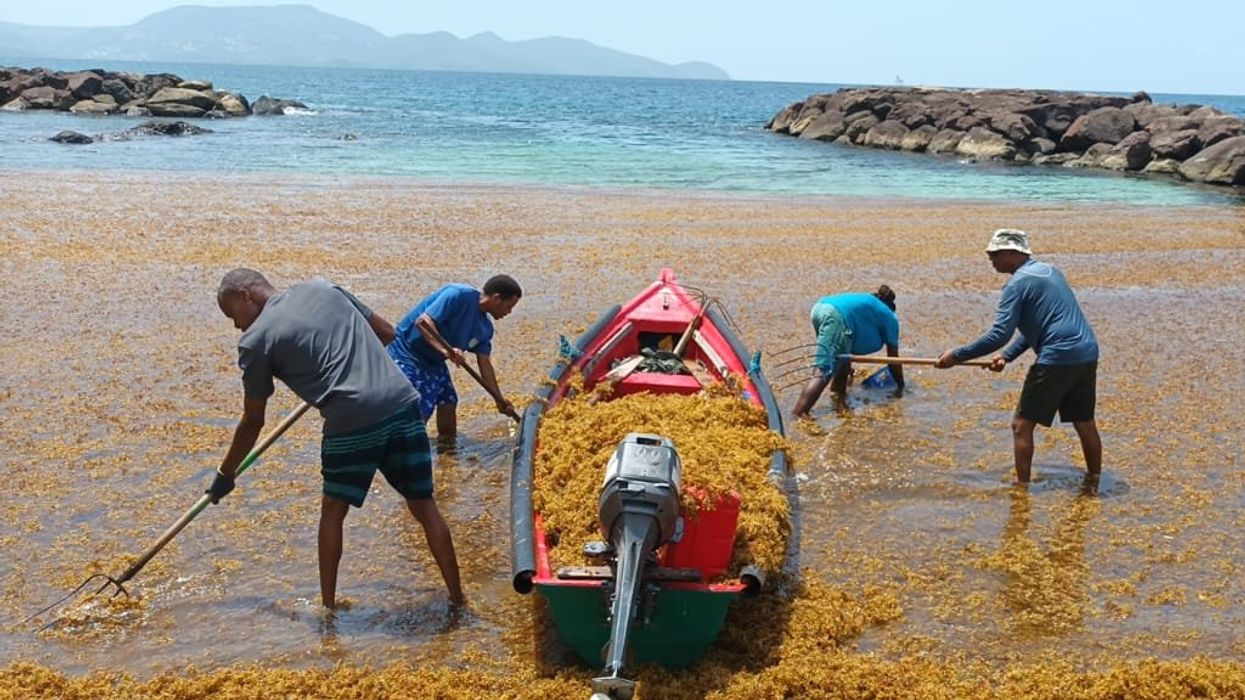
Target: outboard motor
(639, 512)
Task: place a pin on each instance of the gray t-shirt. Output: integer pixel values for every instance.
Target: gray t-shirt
(315, 337)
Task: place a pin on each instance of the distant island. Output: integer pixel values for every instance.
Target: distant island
(301, 35)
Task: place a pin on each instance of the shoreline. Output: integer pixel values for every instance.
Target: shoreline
(478, 187)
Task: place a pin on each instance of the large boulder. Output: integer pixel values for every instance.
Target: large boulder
(118, 89)
(1132, 153)
(918, 139)
(72, 137)
(1016, 127)
(1176, 122)
(1222, 163)
(16, 105)
(83, 85)
(859, 124)
(1217, 128)
(174, 109)
(966, 121)
(887, 134)
(1162, 166)
(1145, 113)
(1040, 146)
(862, 100)
(233, 104)
(780, 124)
(1175, 144)
(197, 85)
(827, 127)
(1093, 156)
(1064, 159)
(9, 89)
(47, 78)
(46, 97)
(945, 141)
(984, 144)
(178, 128)
(801, 122)
(945, 109)
(266, 105)
(1058, 111)
(180, 96)
(92, 107)
(1103, 125)
(150, 84)
(911, 114)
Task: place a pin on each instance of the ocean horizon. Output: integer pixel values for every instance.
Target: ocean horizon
(546, 130)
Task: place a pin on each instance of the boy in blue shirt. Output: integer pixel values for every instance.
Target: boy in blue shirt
(851, 323)
(462, 317)
(1038, 302)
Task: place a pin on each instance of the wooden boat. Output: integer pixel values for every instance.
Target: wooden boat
(684, 618)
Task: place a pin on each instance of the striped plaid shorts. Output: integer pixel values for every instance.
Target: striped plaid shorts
(397, 446)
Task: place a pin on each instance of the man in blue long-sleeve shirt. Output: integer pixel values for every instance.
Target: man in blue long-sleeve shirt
(1038, 302)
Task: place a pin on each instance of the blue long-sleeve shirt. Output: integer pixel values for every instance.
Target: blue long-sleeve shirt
(1038, 302)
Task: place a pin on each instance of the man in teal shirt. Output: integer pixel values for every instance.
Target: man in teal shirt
(1038, 302)
(851, 323)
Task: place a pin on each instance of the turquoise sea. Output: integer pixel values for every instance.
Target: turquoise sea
(552, 131)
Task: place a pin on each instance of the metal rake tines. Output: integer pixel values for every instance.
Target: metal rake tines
(790, 385)
(794, 370)
(108, 581)
(807, 357)
(793, 348)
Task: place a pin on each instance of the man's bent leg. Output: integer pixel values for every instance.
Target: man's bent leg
(1022, 447)
(440, 542)
(1091, 445)
(332, 515)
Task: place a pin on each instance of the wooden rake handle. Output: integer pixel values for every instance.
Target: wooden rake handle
(882, 360)
(205, 499)
(475, 374)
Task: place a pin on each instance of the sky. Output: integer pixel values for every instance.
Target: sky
(1194, 46)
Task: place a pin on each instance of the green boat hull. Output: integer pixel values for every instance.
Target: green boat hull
(680, 630)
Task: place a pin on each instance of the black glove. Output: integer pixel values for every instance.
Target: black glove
(221, 486)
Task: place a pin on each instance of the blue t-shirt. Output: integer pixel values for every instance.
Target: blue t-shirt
(455, 308)
(872, 323)
(1038, 302)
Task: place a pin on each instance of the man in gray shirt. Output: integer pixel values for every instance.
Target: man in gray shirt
(1038, 302)
(328, 348)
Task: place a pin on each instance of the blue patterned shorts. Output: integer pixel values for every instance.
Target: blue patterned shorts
(433, 383)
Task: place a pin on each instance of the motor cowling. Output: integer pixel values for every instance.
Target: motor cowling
(643, 478)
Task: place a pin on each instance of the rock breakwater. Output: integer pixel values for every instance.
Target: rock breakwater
(1041, 127)
(99, 91)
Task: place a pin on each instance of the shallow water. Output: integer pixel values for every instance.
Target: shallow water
(120, 389)
(506, 129)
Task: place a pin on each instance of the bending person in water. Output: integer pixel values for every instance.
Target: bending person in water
(851, 323)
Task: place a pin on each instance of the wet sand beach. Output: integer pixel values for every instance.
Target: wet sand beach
(926, 573)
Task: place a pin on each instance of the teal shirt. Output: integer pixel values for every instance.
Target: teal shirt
(870, 324)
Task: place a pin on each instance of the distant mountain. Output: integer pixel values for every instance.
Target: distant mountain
(301, 35)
